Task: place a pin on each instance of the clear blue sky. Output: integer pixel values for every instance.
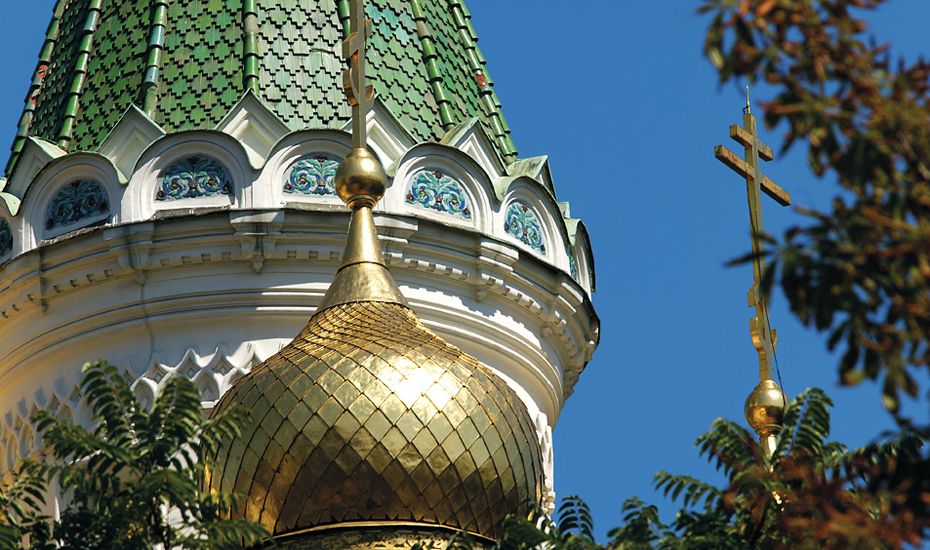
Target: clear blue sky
(619, 96)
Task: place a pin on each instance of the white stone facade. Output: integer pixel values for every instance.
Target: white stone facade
(208, 287)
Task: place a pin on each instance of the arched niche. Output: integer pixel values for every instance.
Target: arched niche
(68, 194)
(189, 170)
(527, 206)
(301, 170)
(74, 205)
(441, 183)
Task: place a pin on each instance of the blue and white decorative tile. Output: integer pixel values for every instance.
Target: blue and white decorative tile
(440, 192)
(522, 223)
(312, 175)
(192, 178)
(77, 201)
(6, 238)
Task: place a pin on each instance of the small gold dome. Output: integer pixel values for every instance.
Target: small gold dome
(369, 417)
(360, 179)
(765, 407)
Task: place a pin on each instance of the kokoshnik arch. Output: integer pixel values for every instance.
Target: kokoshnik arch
(170, 205)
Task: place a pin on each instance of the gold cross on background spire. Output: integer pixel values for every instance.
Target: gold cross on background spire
(765, 405)
(358, 92)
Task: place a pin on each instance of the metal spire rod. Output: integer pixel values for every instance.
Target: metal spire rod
(765, 405)
(359, 93)
(360, 182)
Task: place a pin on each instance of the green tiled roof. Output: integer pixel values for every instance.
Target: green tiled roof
(187, 62)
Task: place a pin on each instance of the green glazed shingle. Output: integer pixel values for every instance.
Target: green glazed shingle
(206, 51)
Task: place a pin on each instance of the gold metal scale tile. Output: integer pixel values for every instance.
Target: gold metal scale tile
(368, 416)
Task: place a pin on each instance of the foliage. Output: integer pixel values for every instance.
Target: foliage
(861, 271)
(134, 469)
(812, 493)
(21, 501)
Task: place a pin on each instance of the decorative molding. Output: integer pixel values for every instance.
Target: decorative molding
(544, 433)
(486, 199)
(535, 168)
(18, 436)
(387, 136)
(213, 374)
(572, 263)
(132, 245)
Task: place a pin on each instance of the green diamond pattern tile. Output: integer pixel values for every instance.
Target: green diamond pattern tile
(204, 42)
(457, 76)
(299, 66)
(50, 103)
(115, 72)
(397, 69)
(300, 73)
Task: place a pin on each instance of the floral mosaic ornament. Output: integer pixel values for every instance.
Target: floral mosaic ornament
(437, 191)
(523, 224)
(77, 201)
(6, 238)
(192, 178)
(312, 175)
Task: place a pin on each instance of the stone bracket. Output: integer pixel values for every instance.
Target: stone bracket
(494, 263)
(257, 233)
(394, 235)
(132, 245)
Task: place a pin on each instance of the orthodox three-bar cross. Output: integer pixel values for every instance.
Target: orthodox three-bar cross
(763, 337)
(358, 92)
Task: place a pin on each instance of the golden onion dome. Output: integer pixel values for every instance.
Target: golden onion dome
(369, 418)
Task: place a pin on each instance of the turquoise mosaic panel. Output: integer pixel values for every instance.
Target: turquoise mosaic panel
(192, 178)
(6, 238)
(440, 192)
(77, 201)
(522, 223)
(312, 175)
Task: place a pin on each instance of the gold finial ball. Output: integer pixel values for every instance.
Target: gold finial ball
(765, 407)
(360, 179)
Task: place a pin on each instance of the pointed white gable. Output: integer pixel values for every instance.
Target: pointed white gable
(35, 155)
(536, 168)
(387, 136)
(470, 138)
(255, 125)
(131, 136)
